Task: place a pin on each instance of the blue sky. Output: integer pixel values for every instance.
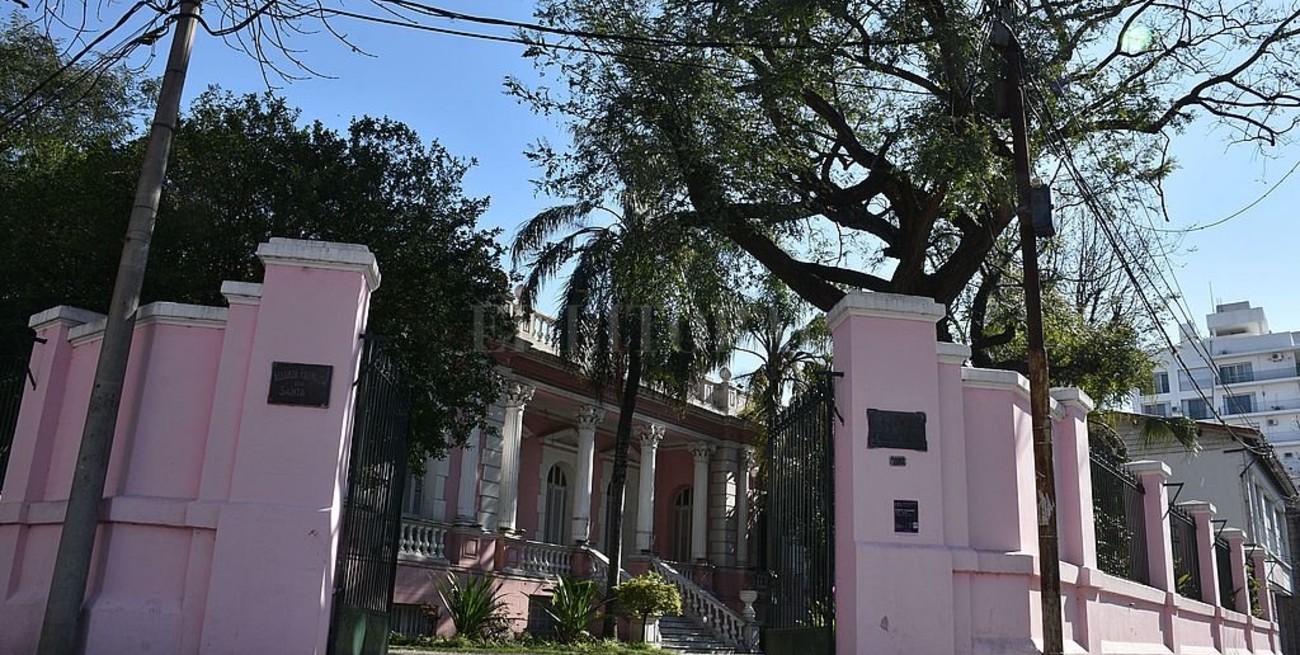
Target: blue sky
(450, 88)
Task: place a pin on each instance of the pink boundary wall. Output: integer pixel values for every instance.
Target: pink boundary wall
(967, 581)
(221, 511)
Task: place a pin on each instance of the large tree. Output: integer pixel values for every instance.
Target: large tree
(857, 144)
(244, 169)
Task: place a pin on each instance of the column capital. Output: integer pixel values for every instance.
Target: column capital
(650, 434)
(589, 416)
(518, 394)
(702, 450)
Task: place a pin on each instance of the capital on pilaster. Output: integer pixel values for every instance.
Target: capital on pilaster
(589, 416)
(650, 434)
(518, 394)
(702, 450)
(746, 457)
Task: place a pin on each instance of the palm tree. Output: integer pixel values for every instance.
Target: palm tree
(643, 302)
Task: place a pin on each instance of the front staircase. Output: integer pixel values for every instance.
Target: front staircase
(685, 635)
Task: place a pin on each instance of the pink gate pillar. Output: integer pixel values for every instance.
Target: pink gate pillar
(273, 558)
(893, 590)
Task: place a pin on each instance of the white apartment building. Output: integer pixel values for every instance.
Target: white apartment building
(1247, 373)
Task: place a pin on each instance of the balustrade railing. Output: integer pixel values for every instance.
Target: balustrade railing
(726, 624)
(1187, 568)
(1119, 518)
(422, 541)
(599, 564)
(541, 559)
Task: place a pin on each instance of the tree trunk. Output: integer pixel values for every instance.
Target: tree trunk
(618, 479)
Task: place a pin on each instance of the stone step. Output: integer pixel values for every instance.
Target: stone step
(682, 634)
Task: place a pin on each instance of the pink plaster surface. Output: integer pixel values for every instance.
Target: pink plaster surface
(221, 511)
(967, 582)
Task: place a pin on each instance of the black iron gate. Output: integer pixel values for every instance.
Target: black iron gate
(800, 521)
(367, 557)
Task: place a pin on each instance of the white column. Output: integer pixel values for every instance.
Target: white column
(512, 432)
(746, 460)
(651, 435)
(700, 499)
(467, 489)
(588, 418)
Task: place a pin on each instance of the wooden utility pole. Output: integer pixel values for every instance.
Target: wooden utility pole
(1049, 554)
(61, 631)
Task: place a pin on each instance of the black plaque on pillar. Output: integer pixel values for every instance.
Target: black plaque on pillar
(305, 385)
(901, 430)
(907, 516)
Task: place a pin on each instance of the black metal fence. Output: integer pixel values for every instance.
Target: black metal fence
(14, 379)
(1223, 560)
(367, 558)
(1120, 520)
(800, 514)
(1187, 569)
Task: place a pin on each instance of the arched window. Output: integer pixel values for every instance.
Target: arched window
(557, 506)
(683, 514)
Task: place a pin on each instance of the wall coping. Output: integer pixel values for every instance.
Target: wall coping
(952, 353)
(321, 254)
(885, 305)
(997, 379)
(63, 315)
(1073, 397)
(242, 293)
(1150, 466)
(1230, 534)
(157, 313)
(1198, 507)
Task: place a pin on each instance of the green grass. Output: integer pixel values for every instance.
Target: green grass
(524, 644)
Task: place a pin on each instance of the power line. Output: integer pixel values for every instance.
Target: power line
(1091, 201)
(1239, 212)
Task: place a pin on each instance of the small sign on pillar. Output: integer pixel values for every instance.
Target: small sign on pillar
(907, 516)
(304, 385)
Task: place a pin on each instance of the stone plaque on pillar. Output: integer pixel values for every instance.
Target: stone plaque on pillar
(306, 385)
(901, 430)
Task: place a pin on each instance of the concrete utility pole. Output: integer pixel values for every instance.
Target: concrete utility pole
(62, 629)
(1049, 554)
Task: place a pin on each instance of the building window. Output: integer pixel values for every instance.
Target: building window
(557, 506)
(1161, 382)
(1158, 409)
(415, 495)
(1196, 409)
(683, 520)
(1243, 404)
(1233, 373)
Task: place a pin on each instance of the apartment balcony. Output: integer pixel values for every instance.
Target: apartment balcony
(1272, 405)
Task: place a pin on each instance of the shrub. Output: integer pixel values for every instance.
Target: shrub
(476, 608)
(648, 594)
(573, 607)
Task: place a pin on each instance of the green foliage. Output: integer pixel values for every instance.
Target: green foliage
(646, 595)
(524, 643)
(244, 169)
(574, 606)
(1106, 358)
(475, 607)
(81, 109)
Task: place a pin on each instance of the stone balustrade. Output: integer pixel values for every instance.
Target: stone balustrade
(422, 541)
